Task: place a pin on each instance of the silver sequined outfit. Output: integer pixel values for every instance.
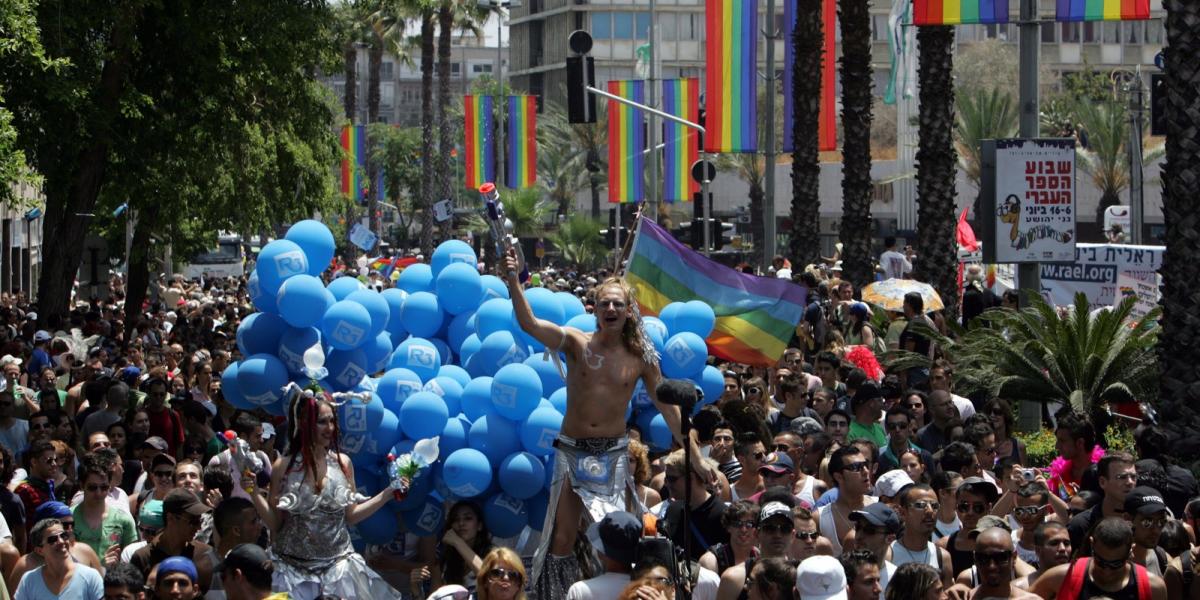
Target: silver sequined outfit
(313, 554)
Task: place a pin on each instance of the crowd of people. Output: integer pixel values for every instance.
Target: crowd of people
(827, 475)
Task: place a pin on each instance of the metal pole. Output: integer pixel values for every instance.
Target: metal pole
(1135, 159)
(1029, 274)
(652, 123)
(768, 244)
(503, 104)
(648, 109)
(706, 206)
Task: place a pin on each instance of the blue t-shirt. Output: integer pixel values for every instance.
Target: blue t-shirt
(86, 584)
(38, 361)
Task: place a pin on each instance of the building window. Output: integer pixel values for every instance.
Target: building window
(1091, 32)
(387, 94)
(481, 68)
(667, 26)
(1111, 33)
(879, 28)
(1131, 32)
(455, 68)
(1048, 33)
(1070, 32)
(622, 26)
(643, 25)
(602, 25)
(1154, 31)
(385, 70)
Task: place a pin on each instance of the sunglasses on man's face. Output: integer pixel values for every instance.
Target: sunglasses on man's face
(776, 529)
(1000, 557)
(807, 536)
(976, 507)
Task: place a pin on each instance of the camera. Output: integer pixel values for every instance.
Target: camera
(1029, 474)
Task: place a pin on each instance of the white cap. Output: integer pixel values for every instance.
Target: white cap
(41, 336)
(821, 578)
(889, 484)
(9, 359)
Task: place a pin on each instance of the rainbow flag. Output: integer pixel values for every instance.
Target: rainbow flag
(480, 141)
(626, 141)
(681, 97)
(522, 141)
(1102, 10)
(731, 88)
(756, 316)
(354, 162)
(955, 12)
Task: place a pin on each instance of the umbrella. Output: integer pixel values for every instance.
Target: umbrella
(889, 294)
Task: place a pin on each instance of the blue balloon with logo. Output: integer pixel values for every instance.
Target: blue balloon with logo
(667, 316)
(516, 391)
(232, 393)
(376, 306)
(302, 301)
(395, 386)
(655, 324)
(347, 368)
(539, 431)
(449, 390)
(476, 399)
(395, 301)
(494, 287)
(443, 351)
(695, 317)
(449, 253)
(456, 373)
(505, 516)
(585, 323)
(493, 316)
(422, 315)
(343, 286)
(416, 278)
(469, 347)
(521, 475)
(317, 242)
(467, 473)
(260, 333)
(419, 356)
(571, 304)
(427, 519)
(684, 355)
(423, 415)
(660, 433)
(364, 418)
(278, 261)
(346, 326)
(459, 288)
(494, 436)
(262, 299)
(545, 306)
(260, 379)
(547, 371)
(499, 350)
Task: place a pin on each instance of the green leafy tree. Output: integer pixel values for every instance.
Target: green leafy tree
(578, 241)
(1105, 159)
(398, 151)
(22, 46)
(981, 115)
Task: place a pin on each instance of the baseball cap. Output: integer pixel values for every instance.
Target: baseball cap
(879, 515)
(250, 558)
(52, 510)
(155, 442)
(178, 564)
(41, 335)
(774, 509)
(162, 459)
(821, 578)
(778, 463)
(151, 514)
(981, 486)
(1144, 501)
(987, 522)
(616, 536)
(9, 359)
(450, 592)
(179, 501)
(803, 426)
(890, 484)
(867, 392)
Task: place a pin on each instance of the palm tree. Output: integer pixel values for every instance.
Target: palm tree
(428, 189)
(578, 241)
(1105, 159)
(751, 168)
(857, 103)
(808, 41)
(936, 159)
(526, 209)
(981, 115)
(349, 33)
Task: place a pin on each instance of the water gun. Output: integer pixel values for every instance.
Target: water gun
(501, 227)
(246, 461)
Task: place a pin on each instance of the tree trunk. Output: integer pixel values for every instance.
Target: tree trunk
(447, 133)
(1179, 340)
(350, 74)
(425, 203)
(374, 65)
(594, 179)
(937, 254)
(138, 280)
(805, 247)
(63, 225)
(757, 226)
(857, 229)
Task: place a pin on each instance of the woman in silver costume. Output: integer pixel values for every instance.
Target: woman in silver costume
(312, 502)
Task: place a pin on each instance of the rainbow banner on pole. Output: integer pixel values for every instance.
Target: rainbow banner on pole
(960, 12)
(354, 162)
(756, 316)
(827, 117)
(731, 88)
(480, 141)
(1102, 10)
(522, 141)
(681, 97)
(626, 142)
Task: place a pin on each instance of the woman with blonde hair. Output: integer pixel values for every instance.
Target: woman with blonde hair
(639, 460)
(502, 576)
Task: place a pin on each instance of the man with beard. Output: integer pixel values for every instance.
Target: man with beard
(918, 510)
(1053, 546)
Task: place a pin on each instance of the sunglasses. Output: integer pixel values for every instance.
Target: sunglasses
(897, 426)
(1027, 511)
(913, 405)
(807, 536)
(976, 507)
(40, 426)
(101, 487)
(867, 529)
(504, 574)
(743, 525)
(995, 558)
(783, 448)
(776, 529)
(856, 466)
(1111, 565)
(163, 473)
(54, 539)
(925, 505)
(667, 581)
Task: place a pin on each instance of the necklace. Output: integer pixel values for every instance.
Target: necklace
(923, 558)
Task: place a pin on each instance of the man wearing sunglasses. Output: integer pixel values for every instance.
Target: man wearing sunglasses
(851, 475)
(918, 509)
(775, 535)
(974, 498)
(182, 512)
(750, 453)
(1118, 476)
(994, 560)
(1147, 512)
(60, 576)
(1107, 573)
(1030, 507)
(898, 424)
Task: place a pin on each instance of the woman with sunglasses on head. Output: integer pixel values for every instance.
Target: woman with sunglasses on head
(502, 576)
(311, 505)
(1000, 415)
(465, 541)
(99, 524)
(755, 393)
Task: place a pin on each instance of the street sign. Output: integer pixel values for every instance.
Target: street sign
(442, 210)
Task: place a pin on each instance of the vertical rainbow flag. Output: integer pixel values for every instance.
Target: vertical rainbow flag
(956, 12)
(626, 141)
(681, 97)
(480, 141)
(354, 162)
(1102, 10)
(522, 141)
(731, 89)
(827, 118)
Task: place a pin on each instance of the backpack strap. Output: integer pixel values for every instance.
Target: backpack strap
(1073, 583)
(1143, 581)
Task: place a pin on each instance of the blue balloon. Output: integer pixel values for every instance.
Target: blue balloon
(343, 286)
(356, 416)
(379, 352)
(422, 315)
(346, 326)
(494, 436)
(651, 324)
(522, 475)
(667, 316)
(461, 327)
(395, 300)
(684, 356)
(467, 473)
(303, 300)
(454, 436)
(537, 506)
(656, 339)
(712, 383)
(262, 299)
(317, 242)
(419, 356)
(260, 379)
(396, 386)
(696, 317)
(376, 306)
(277, 261)
(539, 431)
(498, 350)
(660, 434)
(642, 422)
(346, 368)
(585, 323)
(416, 278)
(231, 392)
(494, 315)
(494, 287)
(423, 415)
(571, 304)
(378, 440)
(516, 391)
(456, 373)
(379, 528)
(459, 288)
(552, 381)
(450, 392)
(443, 351)
(505, 516)
(477, 398)
(451, 252)
(427, 519)
(468, 349)
(545, 306)
(259, 334)
(559, 400)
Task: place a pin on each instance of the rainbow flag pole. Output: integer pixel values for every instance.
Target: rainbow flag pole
(354, 162)
(522, 141)
(731, 90)
(1102, 10)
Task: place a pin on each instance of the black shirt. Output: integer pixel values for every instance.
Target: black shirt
(931, 438)
(921, 343)
(1081, 526)
(705, 525)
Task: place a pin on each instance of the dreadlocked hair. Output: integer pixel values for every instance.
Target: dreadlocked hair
(633, 333)
(302, 425)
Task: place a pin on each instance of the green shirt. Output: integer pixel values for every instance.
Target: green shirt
(118, 529)
(874, 433)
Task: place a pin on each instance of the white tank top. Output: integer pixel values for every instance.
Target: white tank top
(806, 492)
(903, 556)
(828, 527)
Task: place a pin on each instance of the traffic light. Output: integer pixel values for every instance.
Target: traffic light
(581, 73)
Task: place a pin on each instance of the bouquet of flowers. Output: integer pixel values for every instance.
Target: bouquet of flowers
(404, 468)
